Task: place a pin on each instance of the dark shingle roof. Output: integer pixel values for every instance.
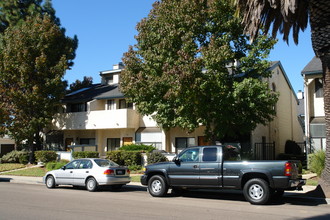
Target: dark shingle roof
(93, 92)
(313, 67)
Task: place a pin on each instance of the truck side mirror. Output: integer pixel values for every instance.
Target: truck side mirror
(176, 160)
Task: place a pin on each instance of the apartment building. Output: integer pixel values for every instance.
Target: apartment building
(314, 105)
(100, 118)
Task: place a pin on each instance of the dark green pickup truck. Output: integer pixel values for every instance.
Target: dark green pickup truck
(219, 167)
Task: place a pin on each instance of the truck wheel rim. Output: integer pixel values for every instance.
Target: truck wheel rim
(256, 191)
(156, 186)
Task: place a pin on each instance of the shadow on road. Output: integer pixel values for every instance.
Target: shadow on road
(5, 179)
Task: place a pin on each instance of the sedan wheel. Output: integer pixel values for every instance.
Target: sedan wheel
(50, 182)
(91, 184)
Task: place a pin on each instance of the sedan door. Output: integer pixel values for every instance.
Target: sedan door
(185, 172)
(82, 172)
(64, 176)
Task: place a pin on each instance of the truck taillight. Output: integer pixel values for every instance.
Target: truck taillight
(288, 169)
(109, 172)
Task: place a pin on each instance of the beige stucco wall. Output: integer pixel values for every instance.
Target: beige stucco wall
(285, 125)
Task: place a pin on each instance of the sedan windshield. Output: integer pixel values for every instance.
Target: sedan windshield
(105, 163)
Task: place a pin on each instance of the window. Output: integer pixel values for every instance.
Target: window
(318, 88)
(123, 104)
(73, 165)
(78, 107)
(109, 79)
(113, 143)
(191, 155)
(210, 154)
(111, 104)
(184, 142)
(87, 141)
(85, 164)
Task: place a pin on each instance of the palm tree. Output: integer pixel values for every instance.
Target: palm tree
(286, 15)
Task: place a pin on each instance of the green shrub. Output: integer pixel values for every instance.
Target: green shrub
(137, 147)
(135, 167)
(316, 162)
(127, 158)
(45, 156)
(155, 158)
(13, 156)
(115, 156)
(24, 157)
(85, 154)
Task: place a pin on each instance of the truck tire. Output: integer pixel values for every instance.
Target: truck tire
(157, 186)
(256, 191)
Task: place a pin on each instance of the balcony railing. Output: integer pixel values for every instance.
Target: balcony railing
(106, 119)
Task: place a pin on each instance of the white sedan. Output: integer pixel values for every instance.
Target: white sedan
(89, 172)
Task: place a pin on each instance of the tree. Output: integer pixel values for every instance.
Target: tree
(87, 81)
(287, 15)
(182, 70)
(14, 12)
(34, 57)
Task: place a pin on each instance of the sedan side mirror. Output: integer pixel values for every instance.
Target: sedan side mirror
(63, 168)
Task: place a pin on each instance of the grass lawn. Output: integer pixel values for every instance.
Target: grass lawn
(10, 166)
(135, 178)
(34, 171)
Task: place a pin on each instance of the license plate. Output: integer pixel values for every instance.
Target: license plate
(120, 172)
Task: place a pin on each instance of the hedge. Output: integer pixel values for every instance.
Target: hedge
(155, 158)
(16, 157)
(137, 147)
(85, 154)
(45, 156)
(127, 158)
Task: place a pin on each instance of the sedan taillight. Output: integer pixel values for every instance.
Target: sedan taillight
(109, 172)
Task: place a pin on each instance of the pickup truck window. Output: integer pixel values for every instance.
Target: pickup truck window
(191, 155)
(210, 154)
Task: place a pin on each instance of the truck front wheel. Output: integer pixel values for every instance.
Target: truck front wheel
(256, 191)
(157, 186)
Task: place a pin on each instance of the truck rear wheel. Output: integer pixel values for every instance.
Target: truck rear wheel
(256, 191)
(157, 186)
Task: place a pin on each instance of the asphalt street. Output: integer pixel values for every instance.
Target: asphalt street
(35, 201)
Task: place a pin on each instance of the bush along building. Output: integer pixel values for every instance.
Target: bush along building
(99, 118)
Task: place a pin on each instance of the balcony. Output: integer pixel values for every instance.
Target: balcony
(111, 119)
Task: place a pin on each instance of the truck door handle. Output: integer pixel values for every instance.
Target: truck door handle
(195, 166)
(71, 171)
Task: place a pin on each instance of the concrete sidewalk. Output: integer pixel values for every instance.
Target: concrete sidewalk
(39, 181)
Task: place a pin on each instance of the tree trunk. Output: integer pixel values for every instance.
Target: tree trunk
(320, 28)
(31, 151)
(325, 182)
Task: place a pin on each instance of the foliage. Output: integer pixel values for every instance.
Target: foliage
(135, 167)
(85, 154)
(156, 158)
(127, 158)
(55, 165)
(10, 166)
(137, 147)
(316, 162)
(14, 157)
(34, 57)
(183, 68)
(87, 81)
(45, 156)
